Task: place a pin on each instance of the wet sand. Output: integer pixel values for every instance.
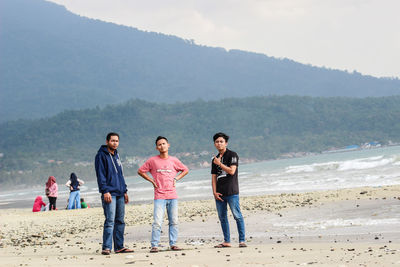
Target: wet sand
(349, 227)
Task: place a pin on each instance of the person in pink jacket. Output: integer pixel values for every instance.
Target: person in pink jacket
(52, 192)
(38, 204)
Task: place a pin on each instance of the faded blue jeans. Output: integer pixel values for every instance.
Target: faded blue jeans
(172, 212)
(114, 224)
(74, 201)
(222, 210)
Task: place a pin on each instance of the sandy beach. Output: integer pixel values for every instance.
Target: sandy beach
(347, 227)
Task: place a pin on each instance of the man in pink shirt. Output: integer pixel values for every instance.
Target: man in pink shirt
(165, 171)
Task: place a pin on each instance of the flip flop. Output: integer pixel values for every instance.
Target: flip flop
(124, 250)
(106, 252)
(175, 248)
(222, 246)
(242, 245)
(153, 250)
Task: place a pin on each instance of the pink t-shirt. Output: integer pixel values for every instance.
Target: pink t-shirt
(163, 171)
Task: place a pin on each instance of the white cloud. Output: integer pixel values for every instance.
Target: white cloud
(346, 34)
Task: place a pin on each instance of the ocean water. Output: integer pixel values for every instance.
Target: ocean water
(372, 167)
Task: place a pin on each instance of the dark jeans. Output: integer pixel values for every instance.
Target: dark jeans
(222, 209)
(52, 201)
(114, 224)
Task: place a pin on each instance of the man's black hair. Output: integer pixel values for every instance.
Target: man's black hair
(218, 135)
(111, 134)
(161, 137)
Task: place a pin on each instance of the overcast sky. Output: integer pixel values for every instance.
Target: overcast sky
(361, 35)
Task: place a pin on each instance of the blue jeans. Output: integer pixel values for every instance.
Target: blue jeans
(114, 224)
(172, 211)
(74, 201)
(222, 210)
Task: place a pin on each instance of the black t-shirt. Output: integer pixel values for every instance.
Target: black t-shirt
(227, 184)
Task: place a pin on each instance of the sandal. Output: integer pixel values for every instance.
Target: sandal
(124, 250)
(242, 245)
(222, 245)
(153, 250)
(175, 248)
(106, 252)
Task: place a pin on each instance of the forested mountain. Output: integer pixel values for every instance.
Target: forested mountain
(260, 128)
(52, 60)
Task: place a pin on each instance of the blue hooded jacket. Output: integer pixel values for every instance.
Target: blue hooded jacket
(109, 172)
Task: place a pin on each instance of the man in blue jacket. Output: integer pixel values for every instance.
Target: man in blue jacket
(112, 187)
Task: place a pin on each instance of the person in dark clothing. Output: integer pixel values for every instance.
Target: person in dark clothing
(224, 175)
(74, 196)
(114, 196)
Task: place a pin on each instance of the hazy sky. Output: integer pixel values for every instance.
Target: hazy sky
(361, 35)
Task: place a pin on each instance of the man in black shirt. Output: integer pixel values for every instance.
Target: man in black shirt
(224, 173)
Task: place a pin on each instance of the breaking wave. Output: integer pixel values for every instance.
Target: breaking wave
(355, 164)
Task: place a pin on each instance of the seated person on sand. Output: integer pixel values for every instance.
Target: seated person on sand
(39, 205)
(83, 204)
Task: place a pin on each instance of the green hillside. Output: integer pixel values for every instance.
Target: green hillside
(260, 128)
(53, 60)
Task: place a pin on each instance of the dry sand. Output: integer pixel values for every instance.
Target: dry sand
(275, 235)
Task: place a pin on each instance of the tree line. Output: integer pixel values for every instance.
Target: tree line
(260, 128)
